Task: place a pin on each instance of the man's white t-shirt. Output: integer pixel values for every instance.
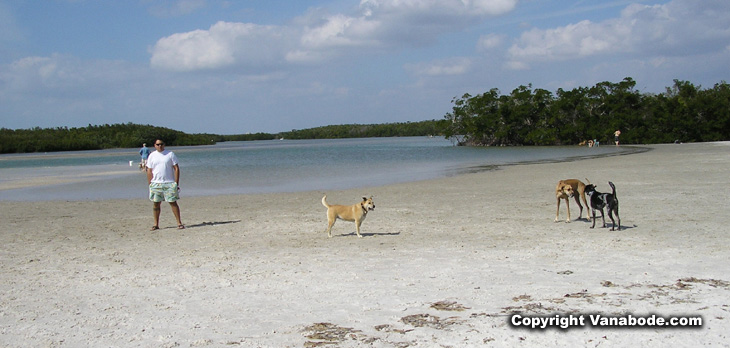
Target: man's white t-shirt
(162, 164)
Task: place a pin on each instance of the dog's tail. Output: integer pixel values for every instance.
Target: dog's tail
(613, 188)
(588, 181)
(324, 202)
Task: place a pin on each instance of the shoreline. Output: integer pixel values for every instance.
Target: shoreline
(636, 149)
(443, 262)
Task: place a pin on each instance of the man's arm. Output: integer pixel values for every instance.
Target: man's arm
(176, 168)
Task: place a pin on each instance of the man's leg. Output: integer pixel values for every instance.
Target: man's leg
(156, 214)
(176, 211)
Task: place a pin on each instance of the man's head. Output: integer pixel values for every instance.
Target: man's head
(159, 145)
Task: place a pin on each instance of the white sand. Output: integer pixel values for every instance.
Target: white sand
(259, 270)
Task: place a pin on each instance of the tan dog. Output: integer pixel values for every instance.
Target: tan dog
(356, 213)
(570, 188)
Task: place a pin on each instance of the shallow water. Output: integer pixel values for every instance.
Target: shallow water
(265, 166)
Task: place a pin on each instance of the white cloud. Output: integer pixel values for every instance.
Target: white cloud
(676, 28)
(48, 73)
(339, 31)
(391, 24)
(442, 8)
(515, 65)
(489, 42)
(329, 34)
(315, 37)
(454, 66)
(421, 22)
(223, 45)
(575, 40)
(63, 76)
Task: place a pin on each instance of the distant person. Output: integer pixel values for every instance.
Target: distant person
(144, 152)
(163, 177)
(616, 134)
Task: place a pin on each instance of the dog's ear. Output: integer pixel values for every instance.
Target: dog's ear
(364, 198)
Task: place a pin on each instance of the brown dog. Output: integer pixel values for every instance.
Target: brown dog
(570, 188)
(356, 213)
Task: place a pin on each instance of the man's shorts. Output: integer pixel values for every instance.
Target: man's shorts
(164, 191)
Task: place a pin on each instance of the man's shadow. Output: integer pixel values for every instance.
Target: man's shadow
(205, 223)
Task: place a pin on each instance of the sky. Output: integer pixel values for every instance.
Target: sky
(236, 67)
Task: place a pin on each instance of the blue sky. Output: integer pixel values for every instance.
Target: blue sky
(232, 67)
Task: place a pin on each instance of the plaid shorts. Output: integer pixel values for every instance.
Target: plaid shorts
(164, 192)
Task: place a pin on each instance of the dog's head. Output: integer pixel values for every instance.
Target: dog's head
(567, 190)
(367, 203)
(590, 189)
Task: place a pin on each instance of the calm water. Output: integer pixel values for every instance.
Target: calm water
(264, 166)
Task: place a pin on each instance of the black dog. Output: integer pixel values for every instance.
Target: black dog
(599, 200)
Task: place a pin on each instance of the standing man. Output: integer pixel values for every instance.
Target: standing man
(144, 152)
(163, 177)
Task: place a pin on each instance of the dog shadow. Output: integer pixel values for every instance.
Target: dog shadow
(608, 224)
(205, 223)
(370, 234)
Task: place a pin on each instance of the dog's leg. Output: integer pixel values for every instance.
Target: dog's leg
(330, 223)
(615, 211)
(613, 222)
(577, 200)
(357, 224)
(614, 207)
(603, 217)
(567, 207)
(594, 218)
(557, 212)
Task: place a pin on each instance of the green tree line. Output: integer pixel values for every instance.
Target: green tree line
(403, 129)
(684, 112)
(94, 138)
(133, 135)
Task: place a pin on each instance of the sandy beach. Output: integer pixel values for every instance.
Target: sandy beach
(443, 263)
